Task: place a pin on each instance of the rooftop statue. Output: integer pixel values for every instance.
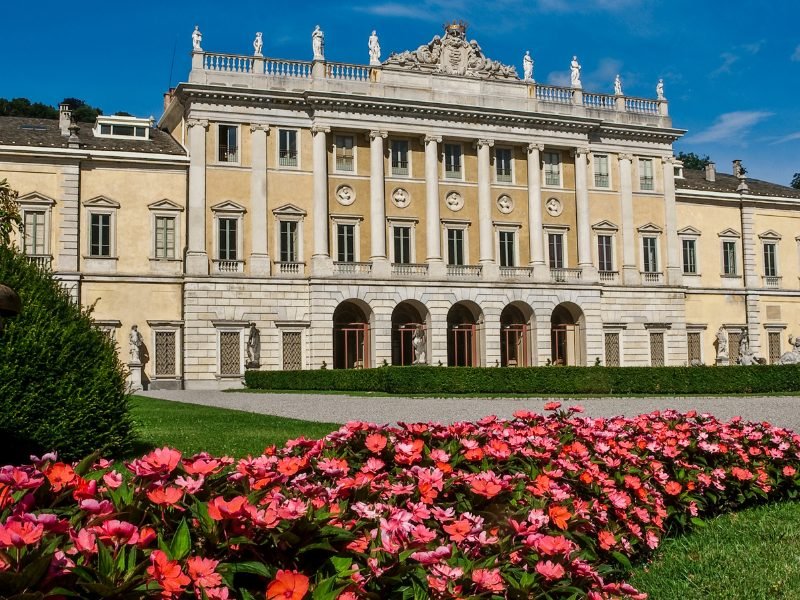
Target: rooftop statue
(575, 73)
(452, 55)
(660, 89)
(318, 43)
(197, 37)
(374, 49)
(527, 66)
(617, 86)
(258, 43)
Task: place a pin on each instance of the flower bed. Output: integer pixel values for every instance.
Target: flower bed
(534, 507)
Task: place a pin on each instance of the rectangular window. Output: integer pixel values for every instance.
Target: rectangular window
(228, 146)
(646, 174)
(227, 239)
(729, 258)
(165, 237)
(344, 153)
(165, 353)
(402, 245)
(774, 346)
(601, 178)
(452, 161)
(770, 260)
(657, 349)
(288, 241)
(650, 251)
(689, 256)
(693, 341)
(612, 349)
(287, 150)
(605, 258)
(502, 161)
(34, 232)
(555, 244)
(399, 157)
(455, 246)
(552, 168)
(230, 353)
(292, 351)
(100, 234)
(507, 253)
(346, 242)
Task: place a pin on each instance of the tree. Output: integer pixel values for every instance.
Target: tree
(796, 181)
(22, 107)
(81, 111)
(693, 161)
(9, 212)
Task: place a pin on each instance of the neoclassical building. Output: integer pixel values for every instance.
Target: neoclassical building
(289, 214)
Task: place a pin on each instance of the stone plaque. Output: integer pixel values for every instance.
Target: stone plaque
(345, 195)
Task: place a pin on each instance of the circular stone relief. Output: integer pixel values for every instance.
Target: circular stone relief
(553, 207)
(345, 195)
(505, 204)
(454, 201)
(401, 198)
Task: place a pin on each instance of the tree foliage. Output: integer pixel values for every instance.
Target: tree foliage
(693, 161)
(81, 111)
(796, 181)
(22, 107)
(9, 212)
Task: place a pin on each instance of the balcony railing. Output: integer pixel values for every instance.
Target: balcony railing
(410, 269)
(347, 71)
(565, 275)
(43, 261)
(352, 268)
(609, 276)
(228, 266)
(600, 180)
(400, 168)
(290, 268)
(551, 93)
(552, 178)
(601, 101)
(453, 173)
(228, 153)
(287, 68)
(287, 158)
(649, 277)
(772, 281)
(344, 163)
(646, 183)
(516, 272)
(464, 270)
(504, 175)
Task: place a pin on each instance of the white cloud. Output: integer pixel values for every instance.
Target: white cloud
(796, 55)
(570, 6)
(730, 127)
(787, 138)
(429, 10)
(732, 57)
(560, 78)
(728, 60)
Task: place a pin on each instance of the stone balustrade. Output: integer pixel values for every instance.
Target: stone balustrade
(772, 281)
(555, 94)
(565, 275)
(600, 101)
(464, 271)
(228, 266)
(43, 261)
(230, 63)
(516, 272)
(291, 268)
(347, 72)
(648, 277)
(643, 105)
(409, 269)
(287, 68)
(352, 268)
(608, 276)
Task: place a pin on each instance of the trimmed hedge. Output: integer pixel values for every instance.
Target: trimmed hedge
(757, 379)
(62, 386)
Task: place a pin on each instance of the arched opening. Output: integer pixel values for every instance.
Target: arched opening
(351, 336)
(464, 325)
(410, 334)
(516, 346)
(567, 339)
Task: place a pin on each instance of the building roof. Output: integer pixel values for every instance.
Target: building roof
(695, 179)
(45, 133)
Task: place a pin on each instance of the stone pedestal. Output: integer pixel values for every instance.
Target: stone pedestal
(723, 360)
(135, 376)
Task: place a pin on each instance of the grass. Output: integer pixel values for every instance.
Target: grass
(192, 428)
(750, 555)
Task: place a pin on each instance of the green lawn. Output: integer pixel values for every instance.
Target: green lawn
(750, 555)
(192, 428)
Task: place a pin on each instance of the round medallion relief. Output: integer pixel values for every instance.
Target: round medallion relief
(505, 204)
(345, 195)
(401, 198)
(553, 207)
(454, 201)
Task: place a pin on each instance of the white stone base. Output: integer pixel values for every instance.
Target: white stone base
(135, 376)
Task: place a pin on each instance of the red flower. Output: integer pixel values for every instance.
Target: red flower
(167, 573)
(19, 533)
(559, 516)
(549, 570)
(375, 442)
(552, 406)
(117, 532)
(486, 484)
(159, 462)
(165, 495)
(673, 488)
(202, 572)
(458, 530)
(488, 579)
(288, 585)
(60, 476)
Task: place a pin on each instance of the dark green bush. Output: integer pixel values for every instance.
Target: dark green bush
(538, 380)
(62, 386)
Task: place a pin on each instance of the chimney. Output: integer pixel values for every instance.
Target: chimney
(711, 172)
(168, 97)
(64, 118)
(74, 141)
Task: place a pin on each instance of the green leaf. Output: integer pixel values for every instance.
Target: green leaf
(697, 522)
(342, 564)
(181, 542)
(622, 559)
(252, 567)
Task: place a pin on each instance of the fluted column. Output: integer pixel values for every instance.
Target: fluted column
(433, 224)
(588, 270)
(535, 229)
(630, 272)
(489, 268)
(674, 270)
(259, 252)
(321, 263)
(377, 206)
(196, 254)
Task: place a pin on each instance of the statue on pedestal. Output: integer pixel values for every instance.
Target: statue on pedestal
(253, 346)
(197, 37)
(318, 43)
(793, 356)
(722, 343)
(660, 90)
(575, 73)
(527, 66)
(617, 85)
(135, 342)
(419, 343)
(374, 49)
(258, 43)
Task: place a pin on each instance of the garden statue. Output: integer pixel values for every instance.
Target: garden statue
(374, 49)
(135, 340)
(197, 37)
(253, 346)
(722, 343)
(660, 89)
(617, 86)
(575, 73)
(527, 66)
(258, 43)
(746, 355)
(418, 341)
(318, 43)
(793, 356)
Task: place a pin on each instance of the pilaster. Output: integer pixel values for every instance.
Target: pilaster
(630, 273)
(259, 256)
(69, 219)
(321, 263)
(535, 227)
(433, 236)
(588, 270)
(674, 271)
(489, 268)
(380, 263)
(196, 253)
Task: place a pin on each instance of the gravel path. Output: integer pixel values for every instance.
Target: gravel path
(783, 411)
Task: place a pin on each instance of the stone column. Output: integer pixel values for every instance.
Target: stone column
(674, 274)
(259, 253)
(535, 230)
(588, 270)
(630, 272)
(433, 226)
(321, 263)
(196, 254)
(489, 268)
(377, 206)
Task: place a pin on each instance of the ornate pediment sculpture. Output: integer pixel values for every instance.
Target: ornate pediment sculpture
(452, 55)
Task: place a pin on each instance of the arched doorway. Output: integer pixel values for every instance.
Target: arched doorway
(567, 335)
(515, 335)
(410, 327)
(351, 335)
(464, 325)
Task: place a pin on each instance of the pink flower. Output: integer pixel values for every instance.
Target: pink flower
(489, 580)
(292, 509)
(159, 463)
(549, 570)
(432, 556)
(84, 541)
(189, 485)
(117, 532)
(552, 406)
(19, 534)
(112, 479)
(202, 572)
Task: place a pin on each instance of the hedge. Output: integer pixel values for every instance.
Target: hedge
(62, 386)
(757, 379)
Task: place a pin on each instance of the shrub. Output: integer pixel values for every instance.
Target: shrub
(62, 386)
(757, 379)
(534, 507)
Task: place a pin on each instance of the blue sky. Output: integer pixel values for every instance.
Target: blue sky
(731, 69)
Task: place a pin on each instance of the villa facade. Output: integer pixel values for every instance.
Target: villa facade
(299, 214)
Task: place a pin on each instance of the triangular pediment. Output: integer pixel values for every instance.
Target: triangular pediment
(729, 232)
(102, 201)
(164, 204)
(289, 210)
(36, 198)
(770, 234)
(228, 206)
(689, 231)
(605, 226)
(650, 228)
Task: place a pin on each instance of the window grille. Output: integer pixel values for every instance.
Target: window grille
(646, 174)
(734, 340)
(230, 353)
(165, 353)
(693, 340)
(292, 351)
(612, 349)
(657, 348)
(774, 347)
(552, 168)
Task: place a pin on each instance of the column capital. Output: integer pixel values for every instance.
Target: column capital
(626, 156)
(375, 133)
(580, 150)
(259, 127)
(432, 138)
(535, 146)
(484, 142)
(315, 129)
(669, 160)
(194, 122)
